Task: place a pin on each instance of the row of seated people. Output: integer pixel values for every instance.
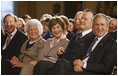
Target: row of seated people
(71, 25)
(91, 50)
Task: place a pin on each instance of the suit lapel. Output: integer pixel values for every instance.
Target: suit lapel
(97, 49)
(73, 40)
(88, 35)
(58, 43)
(13, 40)
(85, 39)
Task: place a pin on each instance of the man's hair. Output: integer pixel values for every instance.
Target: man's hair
(89, 10)
(79, 12)
(15, 17)
(101, 15)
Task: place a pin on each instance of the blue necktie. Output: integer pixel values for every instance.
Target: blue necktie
(90, 48)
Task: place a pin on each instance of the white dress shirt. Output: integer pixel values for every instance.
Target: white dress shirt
(86, 32)
(32, 42)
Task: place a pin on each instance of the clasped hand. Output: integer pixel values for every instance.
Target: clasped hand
(15, 62)
(60, 51)
(78, 64)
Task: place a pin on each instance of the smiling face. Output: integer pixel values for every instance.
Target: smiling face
(70, 27)
(113, 25)
(33, 32)
(45, 27)
(100, 26)
(57, 30)
(86, 21)
(9, 23)
(77, 20)
(20, 26)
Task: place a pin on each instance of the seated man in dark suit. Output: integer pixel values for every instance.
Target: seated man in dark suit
(77, 44)
(113, 35)
(78, 40)
(101, 55)
(11, 44)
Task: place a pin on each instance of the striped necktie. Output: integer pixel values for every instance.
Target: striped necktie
(8, 39)
(78, 35)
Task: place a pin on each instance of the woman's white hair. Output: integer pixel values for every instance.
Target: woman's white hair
(34, 22)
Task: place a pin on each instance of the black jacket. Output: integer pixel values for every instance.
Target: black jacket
(77, 45)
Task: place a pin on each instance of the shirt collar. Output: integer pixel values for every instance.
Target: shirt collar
(32, 42)
(86, 32)
(62, 37)
(14, 32)
(99, 38)
(114, 30)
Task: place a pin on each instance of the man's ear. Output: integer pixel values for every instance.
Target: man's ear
(16, 23)
(108, 28)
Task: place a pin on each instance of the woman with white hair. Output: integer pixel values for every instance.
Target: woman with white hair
(31, 48)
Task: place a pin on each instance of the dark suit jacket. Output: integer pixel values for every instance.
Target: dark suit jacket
(77, 45)
(113, 35)
(101, 60)
(14, 46)
(13, 49)
(103, 57)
